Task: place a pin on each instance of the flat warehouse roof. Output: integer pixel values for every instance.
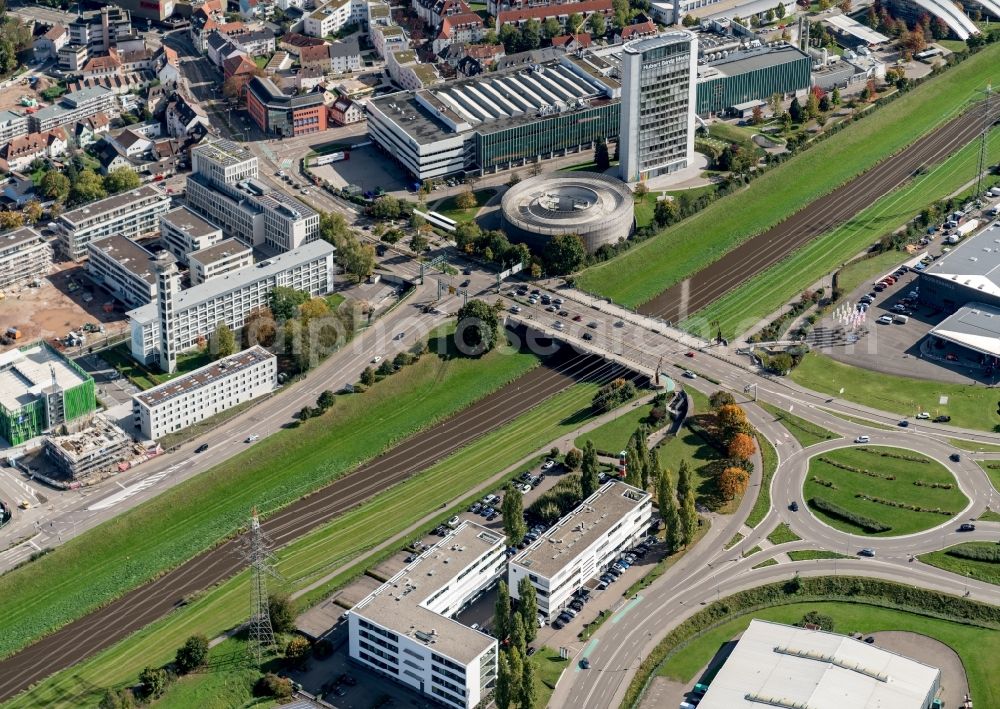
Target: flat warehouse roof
(590, 521)
(974, 263)
(974, 325)
(24, 374)
(851, 26)
(786, 666)
(754, 60)
(204, 376)
(398, 604)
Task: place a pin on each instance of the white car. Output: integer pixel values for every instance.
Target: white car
(376, 359)
(689, 374)
(548, 464)
(558, 325)
(886, 320)
(923, 415)
(862, 439)
(525, 488)
(251, 438)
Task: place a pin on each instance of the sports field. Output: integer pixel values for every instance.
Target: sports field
(900, 490)
(673, 254)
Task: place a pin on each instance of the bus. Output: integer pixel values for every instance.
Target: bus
(438, 220)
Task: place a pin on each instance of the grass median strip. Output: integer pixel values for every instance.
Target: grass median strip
(671, 255)
(782, 534)
(881, 491)
(805, 432)
(309, 558)
(762, 505)
(977, 560)
(969, 406)
(93, 569)
(814, 554)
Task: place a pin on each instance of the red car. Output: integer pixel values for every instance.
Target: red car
(689, 354)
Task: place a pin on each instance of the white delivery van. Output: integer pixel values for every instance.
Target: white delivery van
(900, 319)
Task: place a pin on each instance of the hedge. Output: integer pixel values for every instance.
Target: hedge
(834, 510)
(990, 553)
(875, 592)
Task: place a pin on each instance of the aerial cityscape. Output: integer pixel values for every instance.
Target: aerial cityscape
(589, 354)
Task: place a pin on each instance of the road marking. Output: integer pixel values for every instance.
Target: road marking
(128, 492)
(586, 652)
(628, 606)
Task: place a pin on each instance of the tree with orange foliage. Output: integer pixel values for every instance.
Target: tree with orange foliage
(742, 447)
(733, 482)
(732, 420)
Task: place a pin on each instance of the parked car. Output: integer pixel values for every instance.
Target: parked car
(453, 522)
(942, 419)
(548, 464)
(885, 320)
(587, 336)
(922, 416)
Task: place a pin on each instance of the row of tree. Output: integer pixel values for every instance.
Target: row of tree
(75, 185)
(515, 628)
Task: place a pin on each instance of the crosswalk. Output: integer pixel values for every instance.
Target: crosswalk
(128, 492)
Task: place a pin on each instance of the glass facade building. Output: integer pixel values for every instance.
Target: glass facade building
(658, 90)
(741, 78)
(511, 145)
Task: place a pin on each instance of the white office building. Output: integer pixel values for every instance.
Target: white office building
(131, 214)
(124, 269)
(194, 313)
(787, 666)
(582, 544)
(218, 260)
(406, 630)
(182, 232)
(224, 188)
(205, 392)
(659, 81)
(24, 255)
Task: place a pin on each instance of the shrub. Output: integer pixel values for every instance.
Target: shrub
(282, 613)
(271, 685)
(613, 394)
(573, 458)
(117, 699)
(834, 510)
(820, 620)
(154, 681)
(297, 652)
(191, 655)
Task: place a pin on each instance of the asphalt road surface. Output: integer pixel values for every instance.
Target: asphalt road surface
(821, 216)
(115, 621)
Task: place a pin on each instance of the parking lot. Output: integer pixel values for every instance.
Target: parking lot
(368, 169)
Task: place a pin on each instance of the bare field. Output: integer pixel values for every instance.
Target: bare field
(52, 310)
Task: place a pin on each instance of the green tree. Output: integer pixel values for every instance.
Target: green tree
(356, 258)
(516, 659)
(528, 607)
(632, 464)
(518, 638)
(192, 654)
(812, 105)
(154, 681)
(815, 618)
(572, 459)
(683, 479)
(117, 699)
(665, 212)
(666, 498)
(121, 179)
(529, 693)
(503, 693)
(564, 254)
(478, 327)
(720, 398)
(304, 414)
(598, 26)
(688, 518)
(326, 400)
(385, 208)
(368, 376)
(835, 97)
(282, 612)
(223, 341)
(602, 160)
(501, 612)
(574, 22)
(531, 35)
(589, 477)
(612, 395)
(284, 302)
(87, 187)
(795, 110)
(552, 28)
(55, 185)
(512, 512)
(33, 211)
(779, 11)
(652, 472)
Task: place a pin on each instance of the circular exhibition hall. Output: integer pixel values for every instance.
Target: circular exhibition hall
(598, 208)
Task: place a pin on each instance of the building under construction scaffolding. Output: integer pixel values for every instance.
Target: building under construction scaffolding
(98, 448)
(39, 390)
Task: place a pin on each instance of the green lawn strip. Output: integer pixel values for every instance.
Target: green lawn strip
(762, 505)
(860, 421)
(782, 534)
(120, 358)
(766, 292)
(989, 516)
(969, 406)
(548, 668)
(977, 646)
(92, 569)
(704, 524)
(974, 446)
(225, 681)
(988, 571)
(866, 270)
(751, 551)
(704, 459)
(812, 554)
(847, 484)
(613, 436)
(805, 432)
(448, 207)
(737, 538)
(334, 300)
(332, 546)
(766, 562)
(672, 255)
(993, 473)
